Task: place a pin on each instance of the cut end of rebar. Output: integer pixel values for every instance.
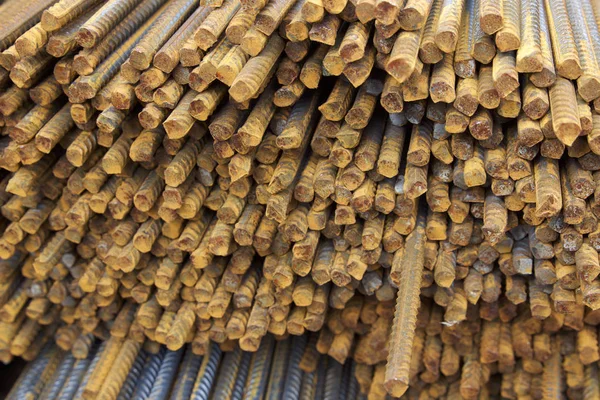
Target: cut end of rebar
(529, 64)
(568, 133)
(85, 38)
(175, 129)
(49, 21)
(19, 77)
(139, 59)
(81, 91)
(411, 19)
(588, 87)
(395, 387)
(569, 69)
(165, 63)
(399, 69)
(446, 41)
(491, 23)
(25, 47)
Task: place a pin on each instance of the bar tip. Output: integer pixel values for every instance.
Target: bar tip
(395, 387)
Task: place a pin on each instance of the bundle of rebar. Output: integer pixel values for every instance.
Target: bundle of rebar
(416, 182)
(291, 368)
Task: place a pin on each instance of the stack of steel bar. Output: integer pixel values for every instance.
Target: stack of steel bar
(417, 182)
(290, 368)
